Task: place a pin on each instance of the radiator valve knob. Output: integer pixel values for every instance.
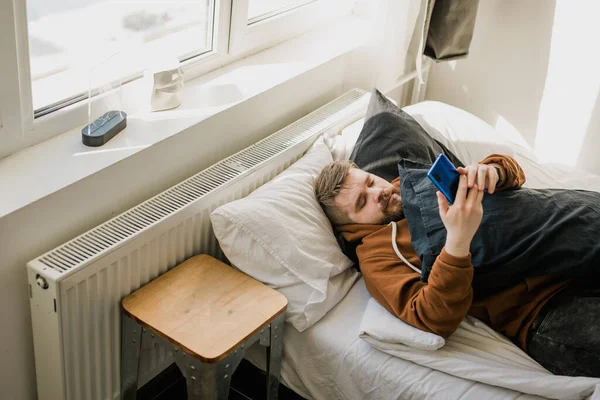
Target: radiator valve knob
(41, 281)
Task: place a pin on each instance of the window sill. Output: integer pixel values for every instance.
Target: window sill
(38, 171)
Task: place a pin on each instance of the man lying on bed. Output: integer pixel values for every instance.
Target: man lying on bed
(556, 321)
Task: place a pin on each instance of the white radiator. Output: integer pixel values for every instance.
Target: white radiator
(76, 288)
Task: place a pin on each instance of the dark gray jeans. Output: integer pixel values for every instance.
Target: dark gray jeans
(565, 336)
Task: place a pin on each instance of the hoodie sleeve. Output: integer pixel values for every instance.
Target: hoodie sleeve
(514, 177)
(438, 306)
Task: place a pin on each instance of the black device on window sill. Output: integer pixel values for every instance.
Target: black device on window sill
(104, 128)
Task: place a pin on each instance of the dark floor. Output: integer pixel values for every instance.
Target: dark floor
(248, 382)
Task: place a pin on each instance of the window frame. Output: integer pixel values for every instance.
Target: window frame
(14, 107)
(246, 39)
(20, 129)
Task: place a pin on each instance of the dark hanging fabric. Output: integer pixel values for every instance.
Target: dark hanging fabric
(448, 28)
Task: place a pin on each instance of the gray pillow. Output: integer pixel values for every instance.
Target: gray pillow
(389, 135)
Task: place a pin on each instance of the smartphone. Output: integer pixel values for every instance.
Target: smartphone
(445, 177)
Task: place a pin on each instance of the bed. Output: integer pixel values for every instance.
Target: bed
(328, 360)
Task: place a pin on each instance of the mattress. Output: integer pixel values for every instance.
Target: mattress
(329, 361)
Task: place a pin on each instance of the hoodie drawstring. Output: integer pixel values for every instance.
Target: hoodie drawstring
(393, 224)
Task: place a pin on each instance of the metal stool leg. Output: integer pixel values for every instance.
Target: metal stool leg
(208, 381)
(131, 340)
(225, 369)
(199, 380)
(274, 352)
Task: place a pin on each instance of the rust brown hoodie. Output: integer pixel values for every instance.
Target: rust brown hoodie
(441, 304)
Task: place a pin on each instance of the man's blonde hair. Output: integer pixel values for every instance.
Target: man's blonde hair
(328, 185)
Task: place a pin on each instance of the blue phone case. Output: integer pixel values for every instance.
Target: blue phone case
(445, 177)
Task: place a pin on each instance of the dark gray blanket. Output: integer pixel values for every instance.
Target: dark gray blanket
(524, 232)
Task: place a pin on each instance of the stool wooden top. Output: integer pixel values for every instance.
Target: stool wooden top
(205, 307)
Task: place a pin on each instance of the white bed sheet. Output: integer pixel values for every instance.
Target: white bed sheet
(329, 361)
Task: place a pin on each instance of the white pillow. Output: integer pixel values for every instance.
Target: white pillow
(470, 138)
(341, 145)
(280, 236)
(380, 329)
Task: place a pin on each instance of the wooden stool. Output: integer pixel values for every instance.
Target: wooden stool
(209, 312)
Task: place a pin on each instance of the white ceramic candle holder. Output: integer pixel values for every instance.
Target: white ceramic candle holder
(167, 84)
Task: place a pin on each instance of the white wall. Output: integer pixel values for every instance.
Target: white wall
(41, 226)
(533, 68)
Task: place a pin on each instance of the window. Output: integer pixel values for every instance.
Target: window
(77, 44)
(259, 10)
(57, 53)
(257, 24)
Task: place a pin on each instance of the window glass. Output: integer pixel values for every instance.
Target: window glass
(112, 40)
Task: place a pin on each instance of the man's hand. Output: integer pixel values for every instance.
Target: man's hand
(481, 175)
(462, 219)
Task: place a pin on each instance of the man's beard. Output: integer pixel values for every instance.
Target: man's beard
(397, 214)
